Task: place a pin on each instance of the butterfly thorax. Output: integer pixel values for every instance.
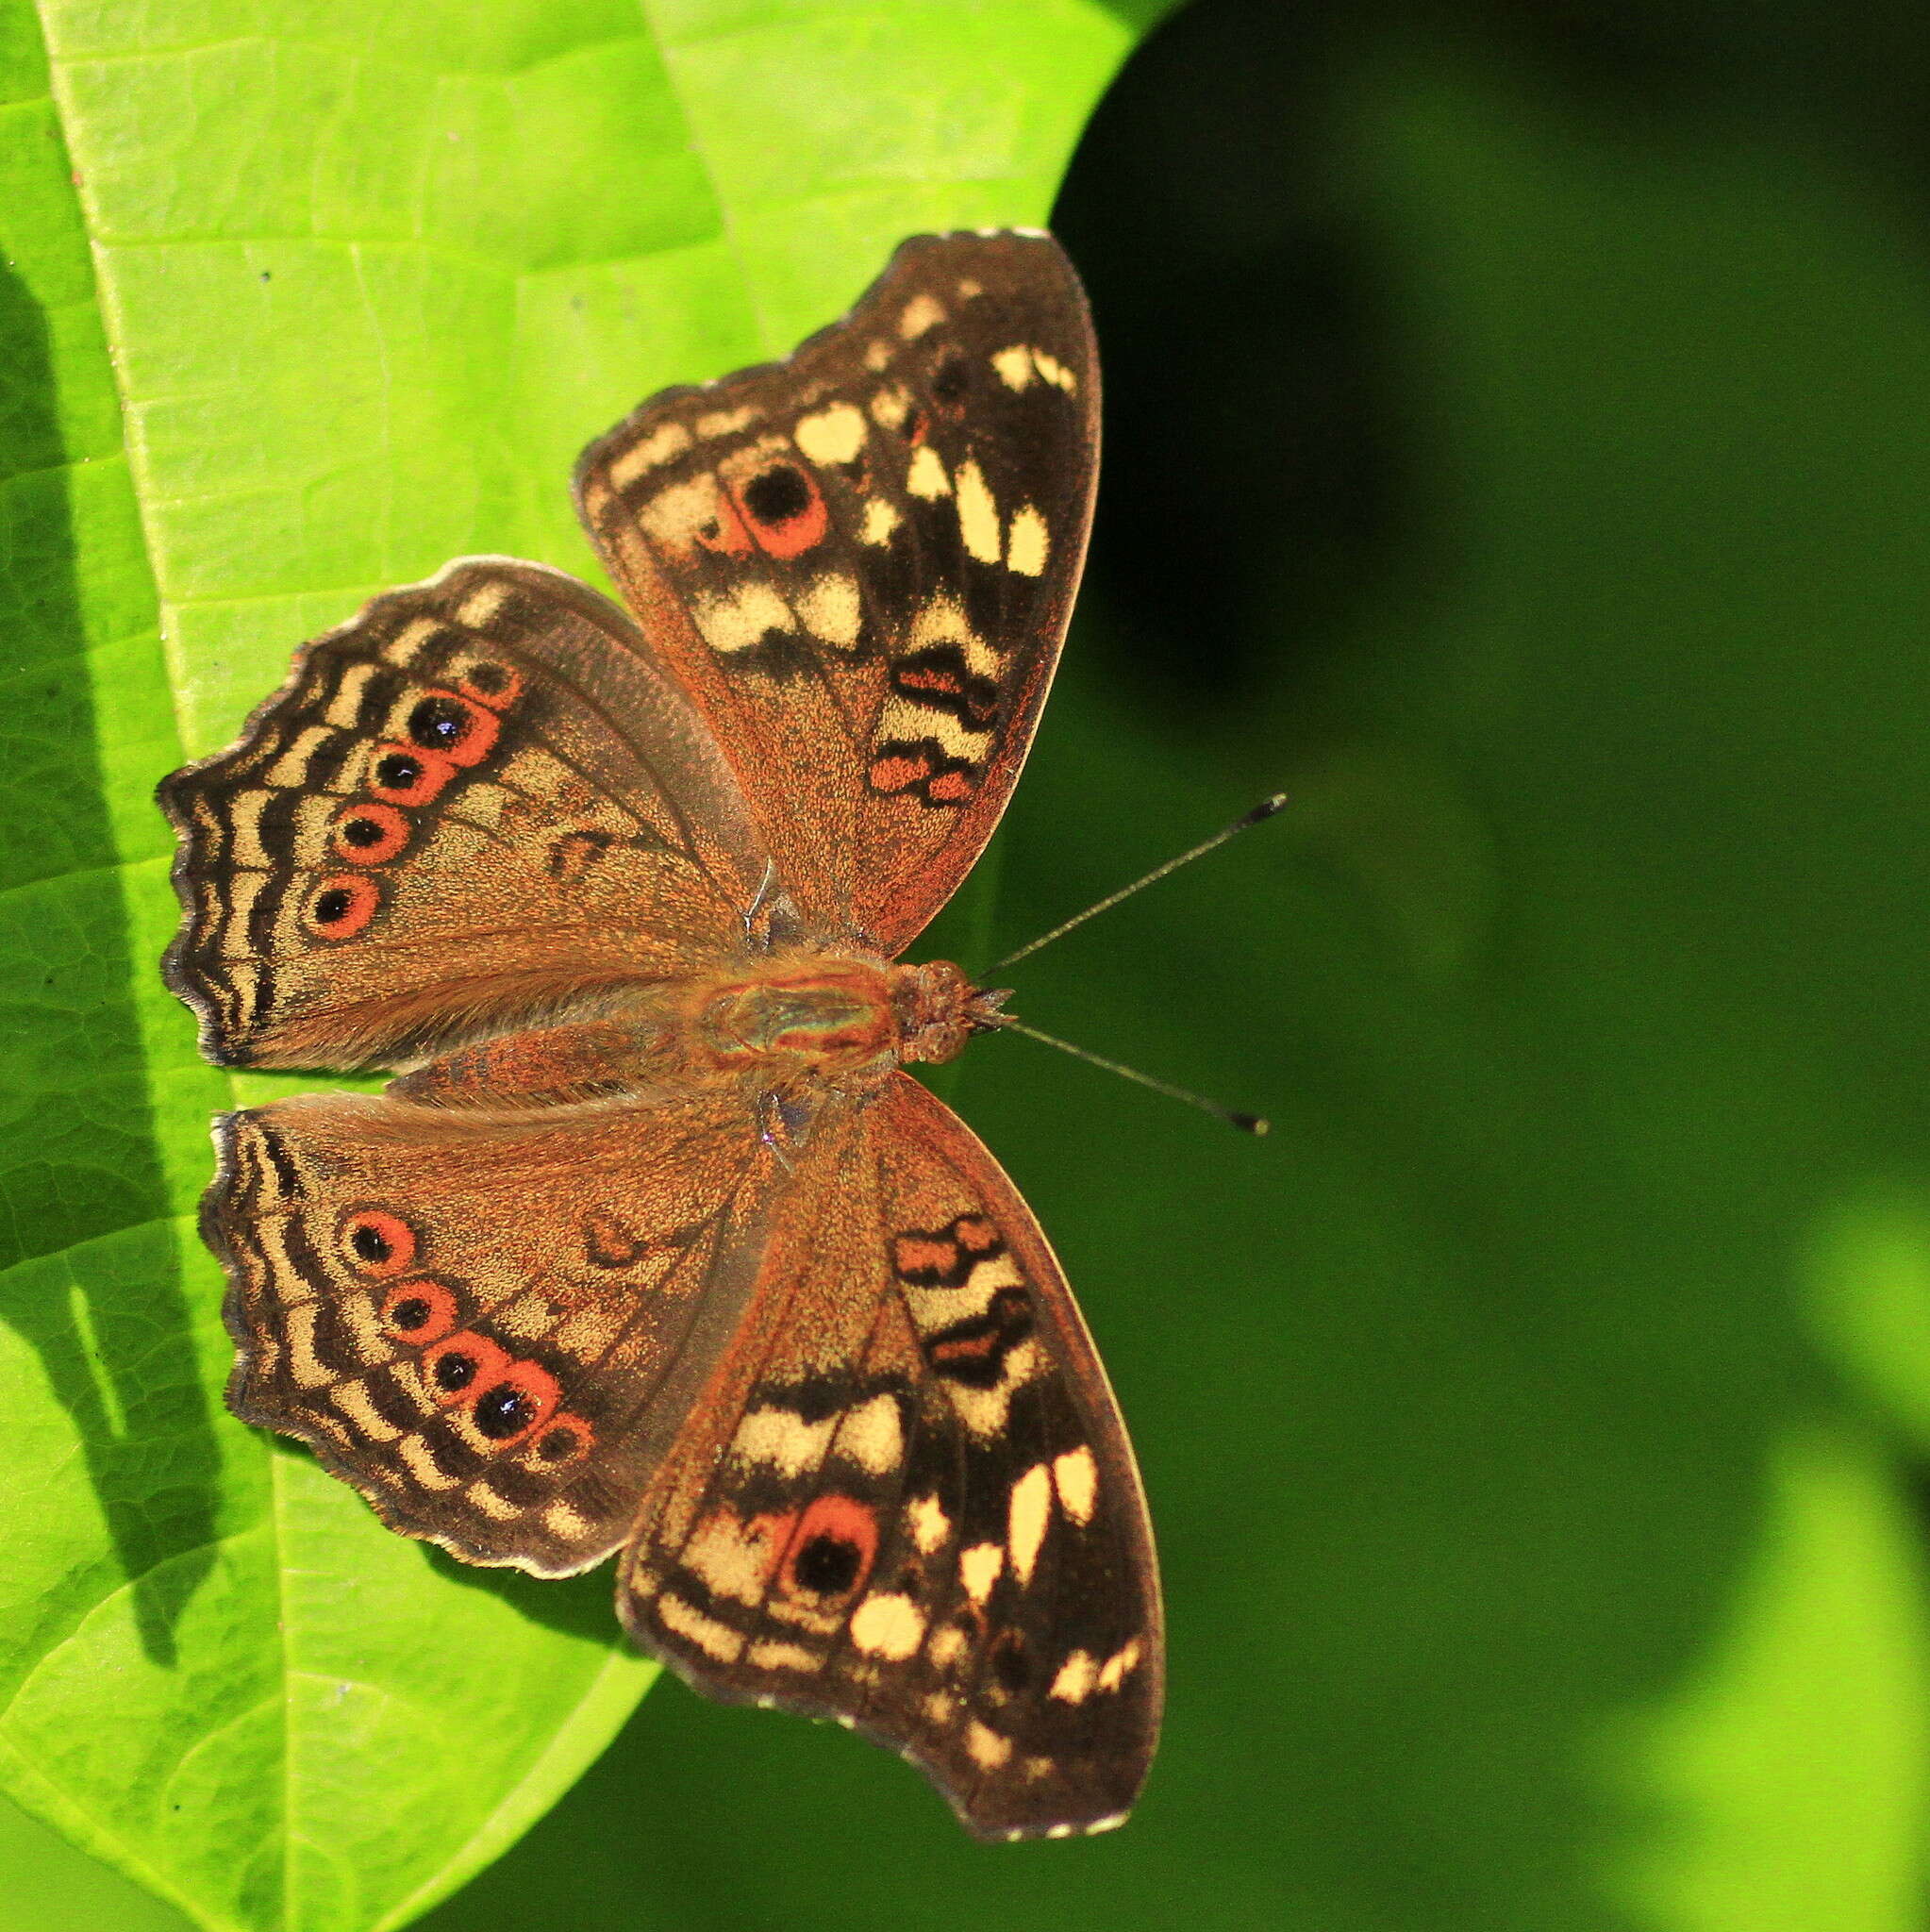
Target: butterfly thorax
(832, 1014)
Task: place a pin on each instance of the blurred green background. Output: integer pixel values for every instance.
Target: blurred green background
(1519, 448)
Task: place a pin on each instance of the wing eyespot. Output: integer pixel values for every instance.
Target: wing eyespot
(408, 775)
(516, 1405)
(376, 1243)
(419, 1312)
(341, 906)
(461, 1365)
(464, 731)
(369, 834)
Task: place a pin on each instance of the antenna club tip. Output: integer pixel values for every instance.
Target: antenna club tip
(1255, 1124)
(1266, 808)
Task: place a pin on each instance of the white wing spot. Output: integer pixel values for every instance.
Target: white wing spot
(880, 520)
(926, 477)
(1027, 542)
(888, 1627)
(986, 1748)
(482, 603)
(1014, 366)
(666, 442)
(930, 1525)
(979, 1569)
(871, 1436)
(1031, 1506)
(978, 513)
(727, 422)
(1076, 1677)
(783, 1439)
(832, 436)
(1055, 372)
(1075, 1476)
(920, 314)
(739, 620)
(830, 609)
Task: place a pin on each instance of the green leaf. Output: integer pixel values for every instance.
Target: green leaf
(298, 303)
(1788, 1787)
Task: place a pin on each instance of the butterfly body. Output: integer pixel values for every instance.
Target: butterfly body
(650, 1246)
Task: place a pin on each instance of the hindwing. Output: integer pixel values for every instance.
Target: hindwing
(489, 1323)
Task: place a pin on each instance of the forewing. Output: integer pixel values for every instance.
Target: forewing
(488, 1324)
(861, 561)
(906, 1499)
(480, 799)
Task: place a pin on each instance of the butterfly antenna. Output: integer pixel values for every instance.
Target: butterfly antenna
(1247, 1123)
(1265, 809)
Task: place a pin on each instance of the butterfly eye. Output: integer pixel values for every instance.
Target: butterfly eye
(461, 1364)
(370, 834)
(832, 1548)
(783, 509)
(495, 685)
(342, 905)
(419, 1312)
(378, 1244)
(405, 774)
(516, 1405)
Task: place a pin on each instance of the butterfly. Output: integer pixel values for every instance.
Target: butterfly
(650, 1246)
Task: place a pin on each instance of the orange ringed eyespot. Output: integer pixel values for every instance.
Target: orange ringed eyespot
(419, 1312)
(378, 1244)
(567, 1439)
(457, 728)
(369, 834)
(460, 1366)
(491, 683)
(342, 905)
(406, 774)
(516, 1403)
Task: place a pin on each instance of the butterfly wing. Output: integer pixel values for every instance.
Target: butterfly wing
(860, 561)
(486, 1322)
(905, 1498)
(480, 795)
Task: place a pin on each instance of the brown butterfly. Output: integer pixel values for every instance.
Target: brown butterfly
(652, 1246)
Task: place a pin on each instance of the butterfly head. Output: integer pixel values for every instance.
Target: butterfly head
(938, 1011)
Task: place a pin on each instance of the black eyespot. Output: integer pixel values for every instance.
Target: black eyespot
(369, 1243)
(438, 723)
(557, 1446)
(409, 1315)
(489, 678)
(397, 772)
(828, 1565)
(331, 905)
(949, 379)
(454, 1371)
(777, 494)
(362, 832)
(503, 1410)
(1009, 1663)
